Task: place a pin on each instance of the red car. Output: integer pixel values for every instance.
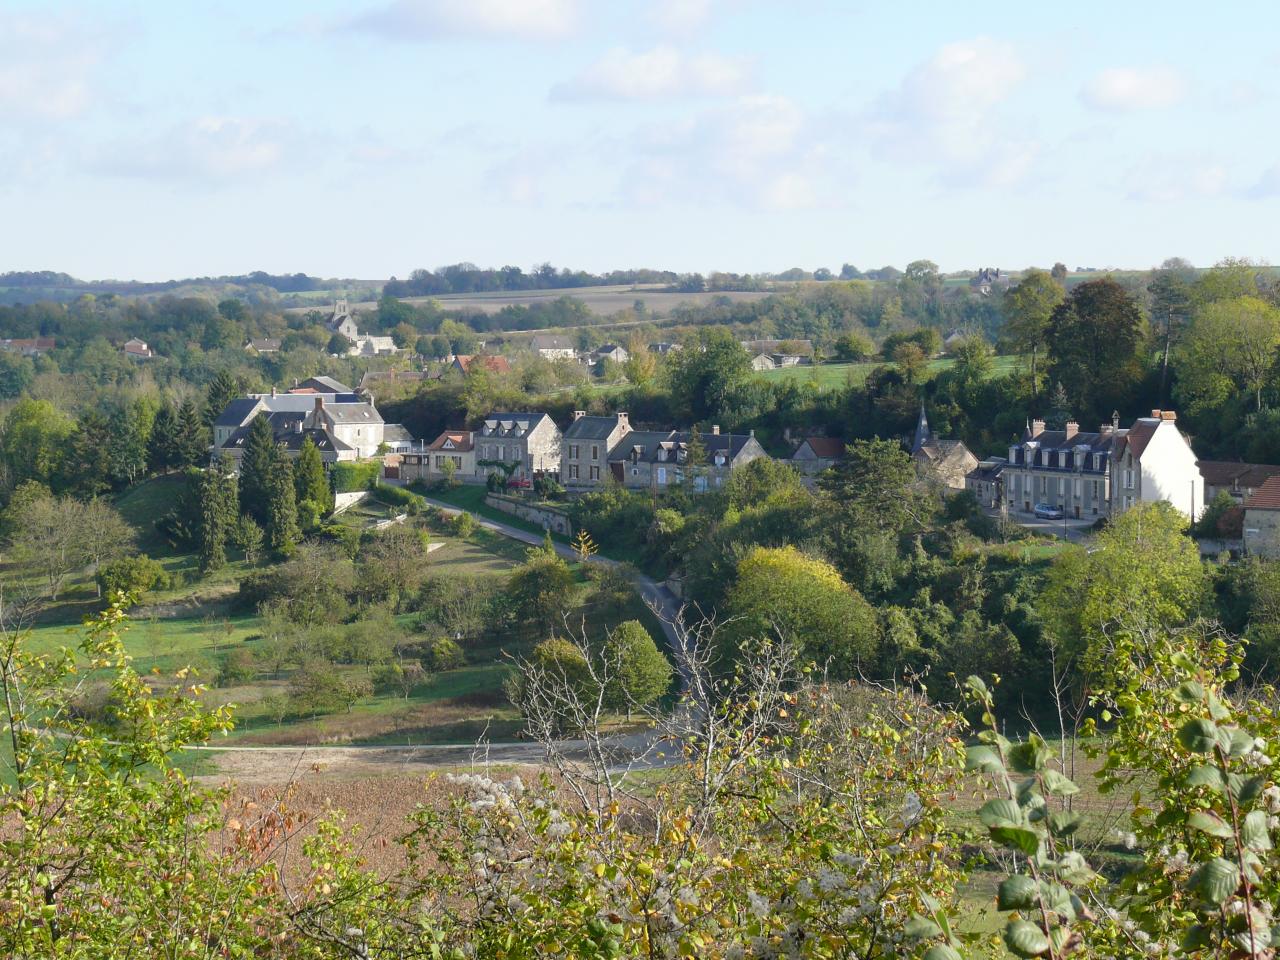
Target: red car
(519, 483)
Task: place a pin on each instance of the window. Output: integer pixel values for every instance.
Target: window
(457, 462)
(595, 452)
(1077, 490)
(573, 471)
(1128, 479)
(595, 473)
(573, 451)
(662, 476)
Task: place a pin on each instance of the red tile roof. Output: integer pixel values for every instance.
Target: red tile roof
(462, 441)
(1267, 496)
(492, 364)
(827, 448)
(1232, 473)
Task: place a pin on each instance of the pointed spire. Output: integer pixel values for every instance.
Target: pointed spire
(923, 436)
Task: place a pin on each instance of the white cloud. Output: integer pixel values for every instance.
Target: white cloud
(1176, 177)
(681, 16)
(46, 69)
(946, 112)
(758, 151)
(1267, 185)
(209, 149)
(432, 19)
(663, 71)
(1125, 89)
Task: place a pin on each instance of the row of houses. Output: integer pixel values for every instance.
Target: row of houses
(590, 452)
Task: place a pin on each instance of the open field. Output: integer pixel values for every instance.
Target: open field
(828, 375)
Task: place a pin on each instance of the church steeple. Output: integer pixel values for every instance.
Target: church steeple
(923, 436)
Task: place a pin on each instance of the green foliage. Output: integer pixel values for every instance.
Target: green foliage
(219, 515)
(309, 479)
(349, 477)
(443, 654)
(539, 588)
(281, 527)
(317, 688)
(132, 575)
(638, 672)
(1094, 340)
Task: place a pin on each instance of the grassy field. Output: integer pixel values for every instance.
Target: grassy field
(839, 375)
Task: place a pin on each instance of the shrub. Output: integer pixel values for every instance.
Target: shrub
(397, 496)
(132, 575)
(237, 667)
(354, 477)
(399, 677)
(444, 654)
(464, 525)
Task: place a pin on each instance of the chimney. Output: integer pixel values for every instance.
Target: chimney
(1155, 414)
(1037, 427)
(1115, 420)
(624, 420)
(579, 414)
(319, 403)
(273, 390)
(295, 383)
(715, 429)
(1106, 429)
(1169, 415)
(1072, 429)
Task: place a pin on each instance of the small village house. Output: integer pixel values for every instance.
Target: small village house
(527, 443)
(1262, 521)
(426, 462)
(946, 461)
(816, 454)
(586, 445)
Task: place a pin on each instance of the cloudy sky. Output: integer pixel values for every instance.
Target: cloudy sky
(363, 139)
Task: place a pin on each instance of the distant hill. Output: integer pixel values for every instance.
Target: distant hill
(32, 285)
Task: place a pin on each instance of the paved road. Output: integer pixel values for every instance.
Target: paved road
(259, 762)
(1077, 531)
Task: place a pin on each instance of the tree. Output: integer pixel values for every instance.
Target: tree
(33, 442)
(638, 673)
(702, 377)
(1094, 339)
(1028, 307)
(804, 601)
(84, 461)
(641, 365)
(310, 481)
(163, 446)
(1059, 271)
(911, 361)
(135, 575)
(126, 452)
(261, 453)
(540, 588)
(246, 536)
(103, 534)
(281, 528)
(1170, 290)
(1231, 345)
(192, 436)
(56, 536)
(219, 514)
(853, 347)
(339, 346)
(222, 389)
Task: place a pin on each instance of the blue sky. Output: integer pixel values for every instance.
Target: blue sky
(152, 140)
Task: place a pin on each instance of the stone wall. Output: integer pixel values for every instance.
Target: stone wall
(341, 501)
(549, 518)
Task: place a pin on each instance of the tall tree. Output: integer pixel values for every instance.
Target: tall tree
(638, 672)
(1231, 346)
(703, 376)
(1094, 339)
(192, 436)
(221, 391)
(282, 507)
(33, 441)
(219, 512)
(83, 470)
(310, 481)
(163, 446)
(1170, 290)
(126, 451)
(260, 455)
(1028, 307)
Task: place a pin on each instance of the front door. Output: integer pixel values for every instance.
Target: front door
(616, 469)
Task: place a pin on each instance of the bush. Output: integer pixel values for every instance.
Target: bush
(237, 667)
(132, 575)
(397, 496)
(464, 525)
(443, 654)
(548, 487)
(354, 477)
(399, 677)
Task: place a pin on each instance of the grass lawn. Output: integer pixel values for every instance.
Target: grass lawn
(829, 376)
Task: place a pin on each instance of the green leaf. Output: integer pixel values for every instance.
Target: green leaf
(1059, 936)
(1246, 791)
(1023, 839)
(1214, 882)
(1016, 892)
(1198, 735)
(1198, 937)
(1208, 822)
(1190, 691)
(1239, 742)
(982, 759)
(1000, 812)
(1065, 822)
(921, 928)
(1204, 775)
(1025, 939)
(1254, 831)
(1058, 784)
(942, 952)
(1030, 756)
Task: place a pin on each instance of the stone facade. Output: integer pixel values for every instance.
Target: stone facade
(530, 441)
(657, 460)
(584, 449)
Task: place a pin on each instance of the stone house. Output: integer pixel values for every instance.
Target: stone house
(585, 447)
(985, 482)
(816, 454)
(554, 347)
(464, 363)
(263, 345)
(529, 441)
(763, 361)
(946, 461)
(343, 321)
(611, 351)
(1240, 481)
(1103, 473)
(1262, 520)
(657, 460)
(136, 349)
(426, 461)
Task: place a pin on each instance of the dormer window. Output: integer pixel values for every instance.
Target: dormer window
(662, 454)
(720, 459)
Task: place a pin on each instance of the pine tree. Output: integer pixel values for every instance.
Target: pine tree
(126, 452)
(219, 511)
(162, 447)
(221, 391)
(309, 479)
(192, 436)
(84, 465)
(282, 508)
(260, 455)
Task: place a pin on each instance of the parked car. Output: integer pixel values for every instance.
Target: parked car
(519, 483)
(1045, 512)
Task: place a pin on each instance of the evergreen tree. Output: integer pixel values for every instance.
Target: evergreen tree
(84, 464)
(219, 512)
(260, 455)
(310, 482)
(162, 446)
(126, 451)
(192, 436)
(221, 391)
(282, 507)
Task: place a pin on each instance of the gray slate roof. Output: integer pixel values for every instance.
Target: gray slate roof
(591, 428)
(647, 443)
(236, 412)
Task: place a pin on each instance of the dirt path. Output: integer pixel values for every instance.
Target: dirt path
(275, 765)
